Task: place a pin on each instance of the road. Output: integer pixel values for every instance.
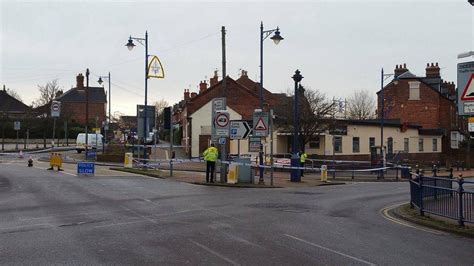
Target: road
(58, 218)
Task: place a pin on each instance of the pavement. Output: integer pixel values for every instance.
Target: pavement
(114, 218)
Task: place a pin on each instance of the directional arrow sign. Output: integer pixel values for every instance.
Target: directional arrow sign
(239, 129)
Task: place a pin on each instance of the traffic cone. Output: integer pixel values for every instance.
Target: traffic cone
(21, 154)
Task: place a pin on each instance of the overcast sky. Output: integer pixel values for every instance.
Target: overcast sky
(338, 46)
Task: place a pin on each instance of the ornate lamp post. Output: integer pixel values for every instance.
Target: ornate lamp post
(130, 46)
(295, 159)
(110, 103)
(276, 39)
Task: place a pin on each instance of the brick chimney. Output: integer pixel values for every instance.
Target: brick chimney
(186, 95)
(432, 71)
(193, 94)
(213, 81)
(451, 88)
(244, 73)
(80, 81)
(202, 86)
(400, 69)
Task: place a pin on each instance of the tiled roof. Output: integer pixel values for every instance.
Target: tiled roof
(96, 95)
(10, 104)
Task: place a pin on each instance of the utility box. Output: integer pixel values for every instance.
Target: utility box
(244, 172)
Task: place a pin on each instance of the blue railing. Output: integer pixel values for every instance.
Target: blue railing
(446, 197)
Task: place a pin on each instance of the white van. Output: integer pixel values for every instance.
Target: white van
(95, 141)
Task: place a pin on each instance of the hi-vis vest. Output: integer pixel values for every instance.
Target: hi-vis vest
(210, 154)
(303, 157)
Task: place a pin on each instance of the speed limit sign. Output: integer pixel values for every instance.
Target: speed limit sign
(55, 109)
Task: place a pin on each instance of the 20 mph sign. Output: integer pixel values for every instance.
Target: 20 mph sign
(55, 109)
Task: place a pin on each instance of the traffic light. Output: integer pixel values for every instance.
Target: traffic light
(167, 118)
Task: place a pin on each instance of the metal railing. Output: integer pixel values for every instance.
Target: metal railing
(443, 196)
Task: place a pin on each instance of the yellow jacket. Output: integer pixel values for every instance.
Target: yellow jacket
(303, 157)
(210, 154)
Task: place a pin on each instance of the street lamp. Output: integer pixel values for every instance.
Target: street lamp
(276, 39)
(130, 46)
(110, 103)
(295, 160)
(87, 110)
(383, 77)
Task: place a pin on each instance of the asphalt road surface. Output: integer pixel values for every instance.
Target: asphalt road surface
(51, 217)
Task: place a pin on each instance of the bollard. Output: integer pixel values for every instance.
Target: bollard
(30, 162)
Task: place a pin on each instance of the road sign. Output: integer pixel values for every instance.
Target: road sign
(254, 144)
(260, 123)
(221, 124)
(222, 141)
(16, 125)
(468, 92)
(466, 88)
(85, 168)
(217, 104)
(55, 109)
(471, 124)
(239, 129)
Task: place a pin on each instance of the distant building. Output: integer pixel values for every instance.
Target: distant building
(73, 103)
(193, 114)
(11, 107)
(427, 101)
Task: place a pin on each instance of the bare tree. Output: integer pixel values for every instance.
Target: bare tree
(361, 105)
(159, 107)
(314, 111)
(48, 93)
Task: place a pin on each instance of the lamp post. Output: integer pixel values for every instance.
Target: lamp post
(110, 104)
(295, 160)
(87, 110)
(276, 39)
(383, 77)
(130, 46)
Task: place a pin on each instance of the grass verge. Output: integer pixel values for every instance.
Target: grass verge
(439, 223)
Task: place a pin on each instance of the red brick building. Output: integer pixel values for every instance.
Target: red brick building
(73, 103)
(427, 101)
(242, 98)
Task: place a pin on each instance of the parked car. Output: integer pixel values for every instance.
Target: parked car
(95, 141)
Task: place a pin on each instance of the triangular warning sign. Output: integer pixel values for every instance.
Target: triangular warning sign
(260, 125)
(468, 93)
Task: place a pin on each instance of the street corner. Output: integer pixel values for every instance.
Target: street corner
(404, 215)
(237, 185)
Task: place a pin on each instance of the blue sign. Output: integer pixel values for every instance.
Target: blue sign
(85, 168)
(91, 155)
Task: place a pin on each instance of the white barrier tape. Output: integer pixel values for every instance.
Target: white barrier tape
(178, 161)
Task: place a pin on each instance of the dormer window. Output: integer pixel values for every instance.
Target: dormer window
(414, 90)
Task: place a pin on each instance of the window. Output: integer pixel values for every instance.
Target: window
(406, 144)
(338, 144)
(371, 142)
(414, 90)
(314, 143)
(454, 140)
(420, 144)
(390, 145)
(355, 144)
(435, 144)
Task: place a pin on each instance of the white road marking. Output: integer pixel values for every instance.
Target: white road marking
(387, 216)
(330, 250)
(213, 252)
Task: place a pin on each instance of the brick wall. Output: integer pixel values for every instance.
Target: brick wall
(77, 112)
(423, 112)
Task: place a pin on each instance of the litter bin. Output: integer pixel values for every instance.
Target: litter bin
(244, 173)
(405, 171)
(128, 161)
